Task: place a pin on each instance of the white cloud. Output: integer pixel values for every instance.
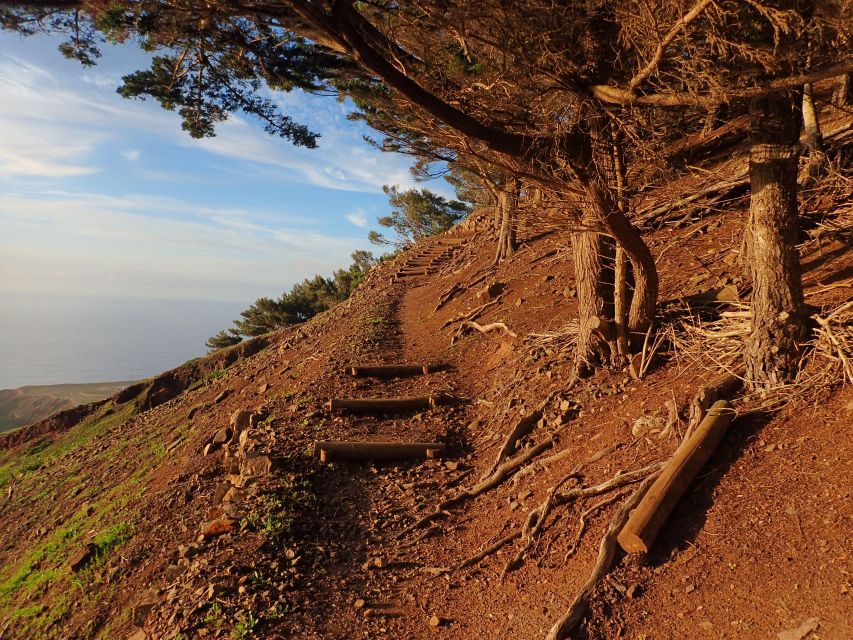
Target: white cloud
(60, 242)
(132, 155)
(358, 218)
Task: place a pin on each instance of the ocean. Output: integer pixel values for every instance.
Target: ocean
(56, 340)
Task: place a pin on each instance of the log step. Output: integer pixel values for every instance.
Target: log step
(382, 405)
(328, 451)
(392, 370)
(645, 522)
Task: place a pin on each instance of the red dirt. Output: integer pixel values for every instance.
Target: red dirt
(758, 545)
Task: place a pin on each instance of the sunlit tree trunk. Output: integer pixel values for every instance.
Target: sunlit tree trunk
(772, 349)
(814, 136)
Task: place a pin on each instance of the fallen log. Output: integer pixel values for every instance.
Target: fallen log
(723, 387)
(382, 405)
(646, 520)
(328, 451)
(393, 370)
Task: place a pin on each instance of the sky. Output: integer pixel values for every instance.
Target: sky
(103, 196)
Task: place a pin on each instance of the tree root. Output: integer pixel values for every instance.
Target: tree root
(582, 520)
(448, 295)
(722, 387)
(458, 288)
(524, 427)
(499, 475)
(468, 324)
(540, 465)
(470, 315)
(537, 517)
(606, 555)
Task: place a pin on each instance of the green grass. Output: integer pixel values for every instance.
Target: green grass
(207, 378)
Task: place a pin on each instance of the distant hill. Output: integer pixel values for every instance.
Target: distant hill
(28, 404)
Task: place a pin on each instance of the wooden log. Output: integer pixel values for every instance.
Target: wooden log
(392, 370)
(328, 451)
(382, 405)
(645, 522)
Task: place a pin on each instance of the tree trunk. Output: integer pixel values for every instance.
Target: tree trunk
(620, 267)
(778, 311)
(841, 96)
(814, 137)
(644, 300)
(507, 242)
(595, 292)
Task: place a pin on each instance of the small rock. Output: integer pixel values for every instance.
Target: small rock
(452, 465)
(707, 625)
(435, 622)
(810, 625)
(79, 559)
(219, 493)
(217, 527)
(225, 393)
(523, 495)
(240, 419)
(258, 465)
(690, 588)
(216, 589)
(633, 591)
(222, 436)
(263, 388)
(359, 604)
(141, 611)
(192, 412)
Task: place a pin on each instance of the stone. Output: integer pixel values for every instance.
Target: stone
(234, 495)
(222, 436)
(258, 465)
(263, 388)
(435, 622)
(224, 394)
(217, 527)
(191, 413)
(141, 611)
(139, 634)
(172, 572)
(216, 589)
(240, 419)
(220, 492)
(81, 557)
(490, 292)
(359, 604)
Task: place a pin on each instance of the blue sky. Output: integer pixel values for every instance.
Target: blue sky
(105, 196)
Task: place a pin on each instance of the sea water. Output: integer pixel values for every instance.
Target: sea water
(73, 339)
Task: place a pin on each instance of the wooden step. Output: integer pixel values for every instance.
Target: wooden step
(328, 451)
(382, 405)
(392, 370)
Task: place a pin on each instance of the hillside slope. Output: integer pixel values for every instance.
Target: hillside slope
(27, 404)
(141, 520)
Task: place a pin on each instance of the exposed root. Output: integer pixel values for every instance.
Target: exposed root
(499, 475)
(470, 315)
(468, 324)
(582, 520)
(537, 517)
(458, 288)
(540, 465)
(524, 427)
(448, 295)
(606, 555)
